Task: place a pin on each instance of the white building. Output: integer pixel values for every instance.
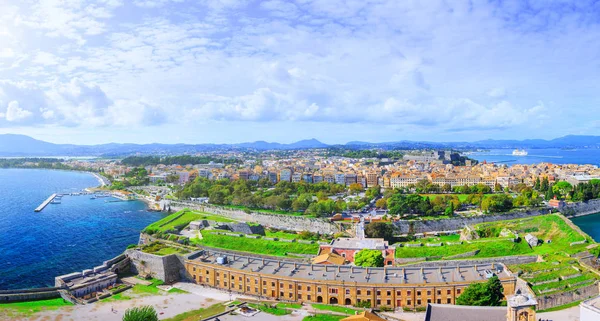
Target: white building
(589, 310)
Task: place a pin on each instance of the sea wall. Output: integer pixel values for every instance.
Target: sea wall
(28, 294)
(166, 268)
(581, 208)
(280, 221)
(455, 224)
(554, 300)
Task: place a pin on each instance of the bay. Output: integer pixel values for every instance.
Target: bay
(77, 234)
(547, 155)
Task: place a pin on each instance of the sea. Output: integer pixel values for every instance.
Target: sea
(80, 233)
(548, 155)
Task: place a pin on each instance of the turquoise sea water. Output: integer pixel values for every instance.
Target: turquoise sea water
(548, 155)
(589, 224)
(77, 234)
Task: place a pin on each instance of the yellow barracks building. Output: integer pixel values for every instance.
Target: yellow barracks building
(392, 287)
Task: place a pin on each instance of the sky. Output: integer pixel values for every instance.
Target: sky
(227, 71)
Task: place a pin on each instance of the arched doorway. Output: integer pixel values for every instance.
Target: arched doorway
(319, 299)
(348, 302)
(333, 300)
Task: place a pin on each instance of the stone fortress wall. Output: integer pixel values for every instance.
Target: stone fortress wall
(581, 208)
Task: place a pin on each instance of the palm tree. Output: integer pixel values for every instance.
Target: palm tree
(145, 313)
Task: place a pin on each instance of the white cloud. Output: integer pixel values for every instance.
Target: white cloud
(14, 113)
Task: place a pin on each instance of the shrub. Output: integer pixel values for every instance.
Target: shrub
(132, 246)
(145, 313)
(363, 304)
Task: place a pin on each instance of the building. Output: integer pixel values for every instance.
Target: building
(348, 247)
(285, 175)
(329, 259)
(391, 287)
(589, 310)
(519, 308)
(372, 179)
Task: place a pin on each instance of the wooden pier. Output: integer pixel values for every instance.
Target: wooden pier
(46, 202)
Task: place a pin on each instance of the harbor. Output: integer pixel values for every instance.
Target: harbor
(45, 203)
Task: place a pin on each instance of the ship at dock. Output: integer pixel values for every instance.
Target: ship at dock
(519, 152)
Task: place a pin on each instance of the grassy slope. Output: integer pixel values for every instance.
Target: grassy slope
(22, 309)
(200, 313)
(259, 246)
(324, 317)
(187, 217)
(325, 307)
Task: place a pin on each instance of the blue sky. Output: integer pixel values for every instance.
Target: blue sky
(223, 71)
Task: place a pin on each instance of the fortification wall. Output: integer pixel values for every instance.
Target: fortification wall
(280, 221)
(506, 260)
(554, 300)
(581, 208)
(28, 294)
(454, 224)
(166, 268)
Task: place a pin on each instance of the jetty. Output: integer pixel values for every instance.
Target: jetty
(45, 203)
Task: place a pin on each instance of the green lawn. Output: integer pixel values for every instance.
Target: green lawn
(151, 289)
(199, 314)
(289, 305)
(24, 309)
(325, 307)
(259, 246)
(324, 317)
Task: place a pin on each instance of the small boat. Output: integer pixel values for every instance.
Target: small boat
(55, 201)
(93, 197)
(519, 152)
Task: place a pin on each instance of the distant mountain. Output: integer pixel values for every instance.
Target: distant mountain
(20, 146)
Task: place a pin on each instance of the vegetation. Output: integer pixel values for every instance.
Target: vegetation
(176, 160)
(324, 317)
(199, 314)
(274, 310)
(145, 313)
(177, 221)
(489, 293)
(369, 258)
(334, 308)
(289, 305)
(379, 230)
(24, 309)
(135, 177)
(259, 246)
(162, 249)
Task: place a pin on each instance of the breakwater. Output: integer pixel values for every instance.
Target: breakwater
(45, 203)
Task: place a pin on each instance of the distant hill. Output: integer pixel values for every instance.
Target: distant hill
(21, 145)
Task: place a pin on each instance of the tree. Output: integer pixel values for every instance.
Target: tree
(381, 203)
(369, 258)
(355, 188)
(497, 203)
(145, 313)
(490, 293)
(545, 184)
(450, 209)
(537, 184)
(497, 188)
(562, 188)
(446, 188)
(380, 230)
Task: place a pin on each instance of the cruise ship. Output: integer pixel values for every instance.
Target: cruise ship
(519, 152)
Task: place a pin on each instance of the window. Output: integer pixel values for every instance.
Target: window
(419, 302)
(255, 290)
(217, 273)
(319, 289)
(207, 280)
(448, 300)
(247, 288)
(281, 285)
(264, 291)
(240, 287)
(378, 292)
(398, 293)
(333, 291)
(448, 292)
(233, 278)
(206, 271)
(299, 296)
(290, 294)
(194, 277)
(290, 286)
(457, 291)
(308, 297)
(344, 255)
(347, 291)
(255, 281)
(428, 300)
(357, 292)
(368, 292)
(428, 292)
(389, 293)
(439, 292)
(389, 302)
(272, 283)
(224, 283)
(418, 293)
(408, 292)
(408, 302)
(194, 268)
(241, 279)
(308, 288)
(280, 293)
(264, 282)
(378, 302)
(299, 287)
(439, 301)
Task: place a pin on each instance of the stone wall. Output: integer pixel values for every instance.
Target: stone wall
(455, 224)
(166, 268)
(581, 208)
(28, 294)
(506, 260)
(554, 300)
(280, 221)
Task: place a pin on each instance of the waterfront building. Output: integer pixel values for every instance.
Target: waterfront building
(391, 287)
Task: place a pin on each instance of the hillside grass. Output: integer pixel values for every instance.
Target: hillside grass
(546, 227)
(181, 219)
(199, 314)
(28, 308)
(258, 246)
